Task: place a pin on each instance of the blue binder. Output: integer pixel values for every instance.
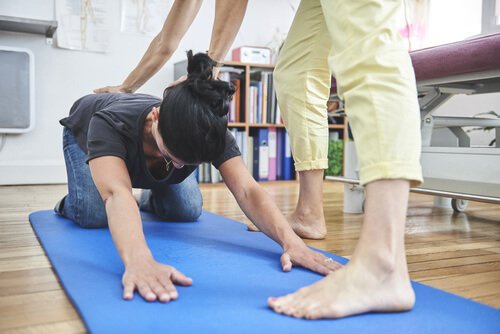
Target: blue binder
(286, 156)
(261, 155)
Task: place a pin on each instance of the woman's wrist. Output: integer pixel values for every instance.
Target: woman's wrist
(125, 88)
(137, 253)
(292, 241)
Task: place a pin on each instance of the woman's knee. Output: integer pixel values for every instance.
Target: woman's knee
(85, 214)
(191, 208)
(91, 220)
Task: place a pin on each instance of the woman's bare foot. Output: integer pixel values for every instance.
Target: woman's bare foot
(351, 290)
(308, 226)
(308, 219)
(376, 279)
(314, 228)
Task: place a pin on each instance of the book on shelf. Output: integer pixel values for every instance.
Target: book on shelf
(271, 95)
(256, 101)
(240, 136)
(236, 108)
(279, 151)
(286, 156)
(265, 87)
(236, 101)
(261, 155)
(264, 107)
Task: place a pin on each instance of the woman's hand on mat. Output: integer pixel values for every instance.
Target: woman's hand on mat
(305, 257)
(153, 280)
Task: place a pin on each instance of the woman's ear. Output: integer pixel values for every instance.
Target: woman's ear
(156, 114)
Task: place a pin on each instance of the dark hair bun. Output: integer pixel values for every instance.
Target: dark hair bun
(200, 66)
(216, 93)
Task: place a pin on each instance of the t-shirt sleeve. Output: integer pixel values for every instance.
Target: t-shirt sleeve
(103, 139)
(231, 150)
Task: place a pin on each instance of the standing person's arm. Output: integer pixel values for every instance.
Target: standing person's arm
(153, 280)
(161, 48)
(228, 17)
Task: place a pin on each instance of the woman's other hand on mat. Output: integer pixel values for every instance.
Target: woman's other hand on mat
(113, 89)
(305, 257)
(153, 280)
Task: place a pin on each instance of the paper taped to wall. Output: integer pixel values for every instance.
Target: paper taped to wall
(144, 16)
(82, 25)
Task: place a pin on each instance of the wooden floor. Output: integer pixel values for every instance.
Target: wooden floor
(459, 253)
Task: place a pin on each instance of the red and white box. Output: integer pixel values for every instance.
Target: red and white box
(252, 54)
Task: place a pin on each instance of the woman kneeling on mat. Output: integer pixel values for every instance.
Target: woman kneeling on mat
(116, 142)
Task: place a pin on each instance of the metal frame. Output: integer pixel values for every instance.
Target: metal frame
(442, 193)
(461, 172)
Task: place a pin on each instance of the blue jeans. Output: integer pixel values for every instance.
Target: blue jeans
(83, 203)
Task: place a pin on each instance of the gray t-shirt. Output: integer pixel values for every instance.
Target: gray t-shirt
(112, 124)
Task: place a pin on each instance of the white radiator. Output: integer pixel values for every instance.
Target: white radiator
(17, 90)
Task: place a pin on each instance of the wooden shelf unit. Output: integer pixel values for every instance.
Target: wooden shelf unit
(248, 67)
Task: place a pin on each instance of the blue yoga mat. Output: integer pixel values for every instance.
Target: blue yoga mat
(233, 271)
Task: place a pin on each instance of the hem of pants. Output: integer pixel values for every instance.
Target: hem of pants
(392, 170)
(310, 165)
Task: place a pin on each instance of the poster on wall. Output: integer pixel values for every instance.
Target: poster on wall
(144, 16)
(82, 25)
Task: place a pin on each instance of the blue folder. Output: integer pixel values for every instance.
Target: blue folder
(233, 271)
(261, 141)
(286, 156)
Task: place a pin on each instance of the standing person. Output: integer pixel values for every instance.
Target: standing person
(116, 142)
(359, 42)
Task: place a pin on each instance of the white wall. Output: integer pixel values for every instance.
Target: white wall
(62, 76)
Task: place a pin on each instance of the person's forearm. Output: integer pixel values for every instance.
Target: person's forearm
(152, 61)
(164, 44)
(259, 207)
(125, 226)
(228, 17)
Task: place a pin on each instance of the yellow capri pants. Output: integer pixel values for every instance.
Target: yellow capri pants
(358, 41)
